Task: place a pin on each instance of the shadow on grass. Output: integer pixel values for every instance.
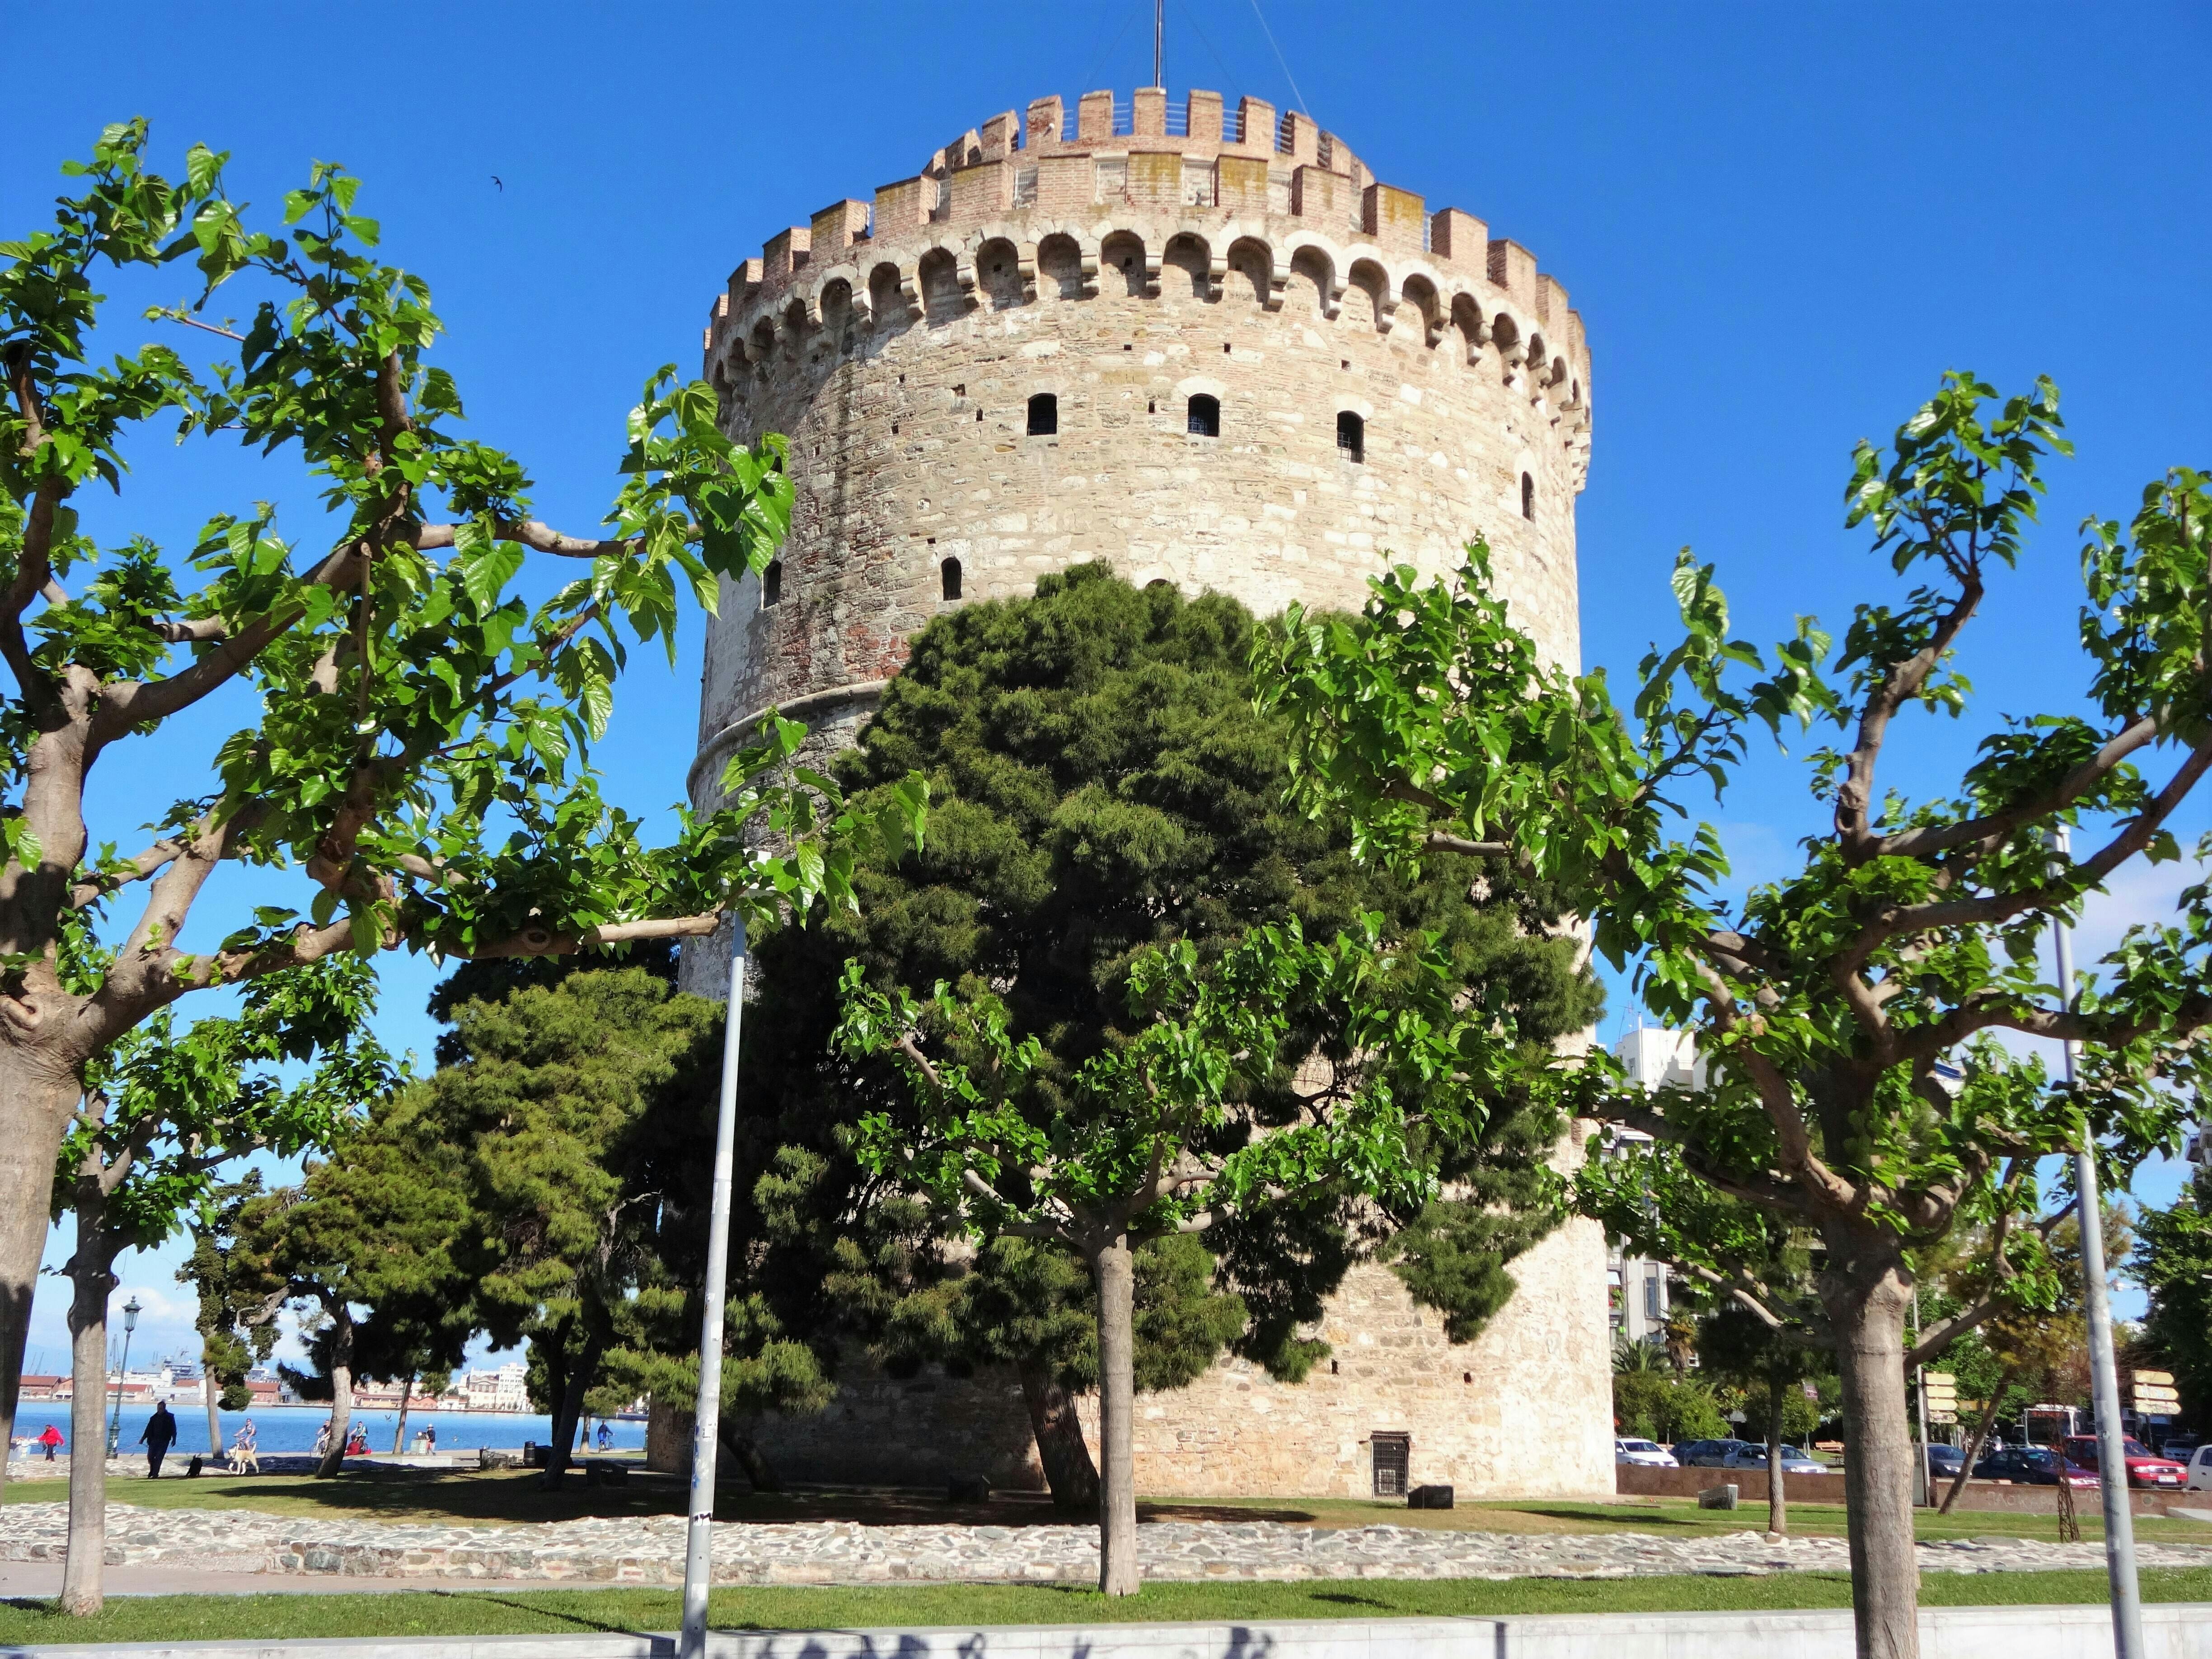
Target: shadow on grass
(541, 1611)
(1623, 1520)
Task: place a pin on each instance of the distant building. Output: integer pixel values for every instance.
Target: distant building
(1638, 1290)
(503, 1390)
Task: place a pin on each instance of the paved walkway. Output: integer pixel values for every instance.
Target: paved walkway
(649, 1550)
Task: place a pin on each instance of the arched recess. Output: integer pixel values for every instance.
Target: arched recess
(998, 273)
(1466, 320)
(796, 324)
(1123, 253)
(761, 345)
(1420, 312)
(1251, 271)
(1183, 269)
(1060, 267)
(1312, 286)
(837, 312)
(887, 299)
(937, 277)
(1505, 335)
(1368, 281)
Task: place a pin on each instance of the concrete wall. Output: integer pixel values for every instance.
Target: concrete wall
(2171, 1630)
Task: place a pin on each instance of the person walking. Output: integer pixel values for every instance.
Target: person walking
(160, 1431)
(51, 1440)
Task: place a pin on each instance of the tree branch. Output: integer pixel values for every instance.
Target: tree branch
(1985, 835)
(1904, 682)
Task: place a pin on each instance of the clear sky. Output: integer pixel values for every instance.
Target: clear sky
(1780, 224)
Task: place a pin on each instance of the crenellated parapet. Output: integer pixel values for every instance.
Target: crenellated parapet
(1159, 199)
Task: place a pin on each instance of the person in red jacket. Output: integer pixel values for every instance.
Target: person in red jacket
(51, 1440)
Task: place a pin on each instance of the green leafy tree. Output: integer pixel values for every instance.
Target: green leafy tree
(411, 737)
(373, 1228)
(1770, 1367)
(1657, 1404)
(164, 1111)
(2174, 1266)
(1100, 783)
(1181, 1122)
(561, 1110)
(232, 1343)
(1826, 1002)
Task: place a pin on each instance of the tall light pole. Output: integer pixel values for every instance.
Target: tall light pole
(115, 1422)
(1159, 44)
(707, 1411)
(2103, 1371)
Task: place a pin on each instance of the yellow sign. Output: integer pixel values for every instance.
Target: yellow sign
(1939, 1390)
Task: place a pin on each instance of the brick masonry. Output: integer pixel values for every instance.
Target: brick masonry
(1122, 261)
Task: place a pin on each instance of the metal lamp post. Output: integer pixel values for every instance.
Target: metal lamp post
(2103, 1371)
(115, 1423)
(707, 1412)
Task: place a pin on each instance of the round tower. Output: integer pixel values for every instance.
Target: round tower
(1207, 345)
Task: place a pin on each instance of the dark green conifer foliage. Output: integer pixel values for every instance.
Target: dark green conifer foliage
(1100, 783)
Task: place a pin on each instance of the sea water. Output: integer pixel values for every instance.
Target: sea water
(294, 1428)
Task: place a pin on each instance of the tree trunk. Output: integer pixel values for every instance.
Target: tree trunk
(1980, 1438)
(35, 1115)
(341, 1396)
(566, 1404)
(1866, 1301)
(1115, 1269)
(1777, 1499)
(1068, 1469)
(745, 1452)
(212, 1394)
(91, 1287)
(399, 1435)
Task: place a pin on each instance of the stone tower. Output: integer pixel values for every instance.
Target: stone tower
(1207, 345)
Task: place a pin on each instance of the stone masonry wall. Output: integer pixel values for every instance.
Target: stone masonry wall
(900, 361)
(1523, 1411)
(1123, 260)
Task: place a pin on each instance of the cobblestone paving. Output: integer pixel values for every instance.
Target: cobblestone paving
(650, 1550)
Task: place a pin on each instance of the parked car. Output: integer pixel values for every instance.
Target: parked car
(1648, 1454)
(1945, 1462)
(2032, 1466)
(2200, 1470)
(2177, 1446)
(1711, 1453)
(2145, 1467)
(1750, 1455)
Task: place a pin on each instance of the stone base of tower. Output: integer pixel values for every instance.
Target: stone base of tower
(1524, 1411)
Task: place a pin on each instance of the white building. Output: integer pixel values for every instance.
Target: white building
(1638, 1289)
(502, 1390)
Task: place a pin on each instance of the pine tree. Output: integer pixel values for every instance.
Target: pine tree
(1101, 784)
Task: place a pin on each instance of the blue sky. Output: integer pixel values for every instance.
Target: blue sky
(1780, 223)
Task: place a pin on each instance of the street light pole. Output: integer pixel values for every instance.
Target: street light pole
(707, 1410)
(2103, 1371)
(115, 1422)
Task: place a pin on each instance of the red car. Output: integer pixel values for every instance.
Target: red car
(2145, 1466)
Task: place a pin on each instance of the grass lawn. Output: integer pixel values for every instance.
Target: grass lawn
(480, 1612)
(513, 1497)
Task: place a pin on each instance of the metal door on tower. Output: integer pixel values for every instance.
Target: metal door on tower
(1394, 1456)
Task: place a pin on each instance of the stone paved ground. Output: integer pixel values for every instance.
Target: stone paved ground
(650, 1550)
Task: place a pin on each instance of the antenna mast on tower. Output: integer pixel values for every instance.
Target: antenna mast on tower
(1159, 44)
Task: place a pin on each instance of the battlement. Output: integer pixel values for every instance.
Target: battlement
(1247, 178)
